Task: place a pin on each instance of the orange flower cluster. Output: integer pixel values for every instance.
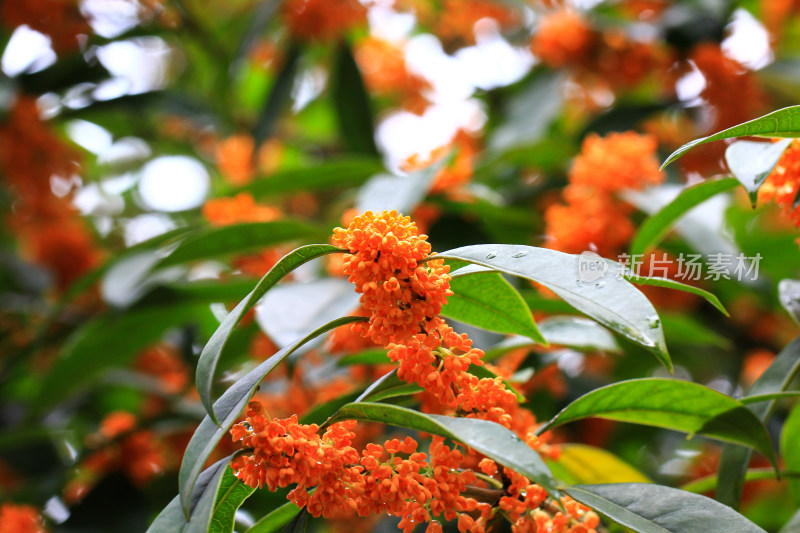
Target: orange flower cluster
(592, 217)
(455, 21)
(730, 89)
(238, 159)
(15, 518)
(140, 454)
(238, 209)
(607, 60)
(30, 156)
(458, 172)
(385, 71)
(323, 20)
(402, 293)
(783, 183)
(562, 37)
(61, 20)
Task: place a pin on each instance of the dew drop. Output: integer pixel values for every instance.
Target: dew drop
(491, 255)
(600, 284)
(653, 322)
(520, 254)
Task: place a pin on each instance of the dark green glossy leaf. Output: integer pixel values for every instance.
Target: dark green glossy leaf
(207, 364)
(781, 123)
(172, 518)
(672, 404)
(488, 438)
(490, 302)
(203, 512)
(790, 450)
(276, 520)
(655, 228)
(751, 162)
(677, 285)
(602, 295)
(279, 95)
(215, 242)
(758, 398)
(735, 459)
(230, 496)
(650, 508)
(228, 408)
(789, 295)
(111, 340)
(333, 174)
(352, 104)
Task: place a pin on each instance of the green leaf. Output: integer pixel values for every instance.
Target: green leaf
(490, 302)
(789, 295)
(279, 95)
(793, 525)
(608, 299)
(352, 103)
(790, 451)
(111, 340)
(276, 520)
(337, 173)
(751, 162)
(203, 512)
(215, 242)
(228, 408)
(367, 357)
(677, 285)
(172, 518)
(489, 438)
(230, 496)
(209, 357)
(484, 373)
(781, 123)
(649, 508)
(684, 330)
(758, 398)
(735, 459)
(672, 404)
(588, 464)
(709, 483)
(655, 228)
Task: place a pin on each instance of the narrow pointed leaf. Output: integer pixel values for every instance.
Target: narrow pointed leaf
(751, 162)
(655, 228)
(352, 104)
(735, 459)
(781, 123)
(276, 520)
(490, 302)
(228, 407)
(231, 494)
(649, 508)
(215, 242)
(201, 515)
(333, 174)
(677, 285)
(209, 357)
(279, 95)
(603, 295)
(709, 483)
(672, 404)
(488, 438)
(790, 449)
(172, 518)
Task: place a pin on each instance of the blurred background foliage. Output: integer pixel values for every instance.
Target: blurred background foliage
(158, 156)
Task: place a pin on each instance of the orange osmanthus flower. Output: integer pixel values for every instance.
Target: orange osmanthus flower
(388, 262)
(783, 183)
(617, 161)
(323, 20)
(16, 518)
(562, 37)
